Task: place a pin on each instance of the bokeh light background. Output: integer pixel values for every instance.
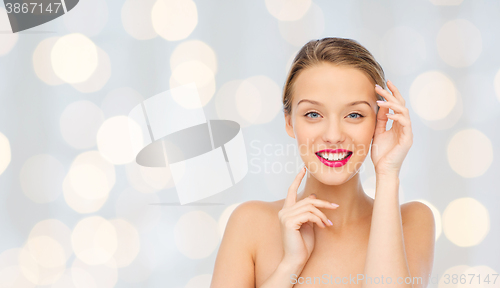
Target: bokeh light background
(75, 208)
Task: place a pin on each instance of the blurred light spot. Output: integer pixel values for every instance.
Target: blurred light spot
(225, 103)
(11, 275)
(47, 252)
(88, 17)
(89, 181)
(102, 275)
(136, 19)
(94, 240)
(288, 10)
(42, 64)
(436, 88)
(7, 40)
(194, 50)
(193, 71)
(463, 153)
(299, 32)
(200, 281)
(437, 217)
(446, 282)
(497, 84)
(156, 177)
(128, 242)
(446, 2)
(74, 58)
(99, 77)
(5, 153)
(85, 204)
(41, 178)
(90, 176)
(174, 19)
(466, 222)
(196, 234)
(114, 141)
(79, 123)
(224, 217)
(248, 101)
(95, 158)
(136, 208)
(78, 203)
(56, 230)
(459, 43)
(33, 262)
(403, 50)
(148, 179)
(120, 101)
(258, 99)
(452, 118)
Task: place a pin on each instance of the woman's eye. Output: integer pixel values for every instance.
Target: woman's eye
(313, 113)
(360, 116)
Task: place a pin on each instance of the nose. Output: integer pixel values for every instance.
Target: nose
(334, 133)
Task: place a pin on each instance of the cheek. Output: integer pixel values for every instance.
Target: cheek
(305, 132)
(363, 138)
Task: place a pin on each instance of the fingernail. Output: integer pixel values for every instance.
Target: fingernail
(330, 222)
(335, 205)
(380, 101)
(376, 85)
(313, 194)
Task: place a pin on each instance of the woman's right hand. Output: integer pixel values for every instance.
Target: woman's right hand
(297, 221)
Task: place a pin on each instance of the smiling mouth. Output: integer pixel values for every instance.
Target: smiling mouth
(331, 158)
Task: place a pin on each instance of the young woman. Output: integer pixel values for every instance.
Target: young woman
(332, 233)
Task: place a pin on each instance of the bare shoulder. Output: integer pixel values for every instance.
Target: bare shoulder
(235, 262)
(253, 211)
(248, 220)
(416, 212)
(418, 224)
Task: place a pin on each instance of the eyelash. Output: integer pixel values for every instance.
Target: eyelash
(360, 116)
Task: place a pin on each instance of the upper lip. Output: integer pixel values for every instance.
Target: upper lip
(334, 151)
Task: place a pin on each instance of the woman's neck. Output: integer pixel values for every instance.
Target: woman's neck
(353, 203)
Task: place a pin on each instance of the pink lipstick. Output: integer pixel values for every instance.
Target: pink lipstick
(332, 163)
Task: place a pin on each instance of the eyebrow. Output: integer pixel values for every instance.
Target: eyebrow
(320, 104)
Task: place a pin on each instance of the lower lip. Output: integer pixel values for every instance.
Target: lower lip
(334, 163)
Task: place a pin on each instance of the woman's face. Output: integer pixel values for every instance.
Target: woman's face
(323, 117)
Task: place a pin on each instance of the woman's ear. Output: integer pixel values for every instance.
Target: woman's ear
(289, 125)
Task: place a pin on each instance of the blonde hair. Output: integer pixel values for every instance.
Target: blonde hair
(337, 51)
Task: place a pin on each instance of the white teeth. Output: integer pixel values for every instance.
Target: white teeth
(333, 156)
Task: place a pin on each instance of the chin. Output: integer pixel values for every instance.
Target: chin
(332, 178)
(333, 175)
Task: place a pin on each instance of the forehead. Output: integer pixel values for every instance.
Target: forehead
(337, 83)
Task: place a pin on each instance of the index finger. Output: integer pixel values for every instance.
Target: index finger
(395, 91)
(291, 197)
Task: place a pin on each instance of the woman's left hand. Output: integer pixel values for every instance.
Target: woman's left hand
(389, 147)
